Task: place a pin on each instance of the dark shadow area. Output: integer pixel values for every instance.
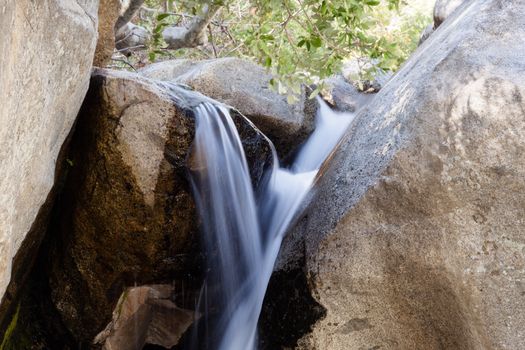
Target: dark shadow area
(289, 311)
(24, 297)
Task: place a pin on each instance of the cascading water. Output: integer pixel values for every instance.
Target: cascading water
(243, 232)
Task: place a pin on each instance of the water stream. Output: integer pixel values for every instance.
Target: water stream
(242, 230)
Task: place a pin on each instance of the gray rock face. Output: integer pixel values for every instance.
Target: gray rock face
(131, 37)
(46, 52)
(416, 238)
(176, 37)
(426, 33)
(345, 97)
(443, 9)
(245, 86)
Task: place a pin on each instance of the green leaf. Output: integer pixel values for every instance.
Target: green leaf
(152, 56)
(268, 61)
(316, 41)
(267, 37)
(162, 16)
(314, 93)
(158, 29)
(281, 88)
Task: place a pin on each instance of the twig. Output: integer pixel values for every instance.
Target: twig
(132, 48)
(309, 20)
(125, 37)
(234, 49)
(133, 7)
(124, 61)
(193, 30)
(211, 41)
(291, 41)
(225, 30)
(184, 15)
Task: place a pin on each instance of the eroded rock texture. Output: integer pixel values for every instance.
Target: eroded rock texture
(44, 75)
(416, 237)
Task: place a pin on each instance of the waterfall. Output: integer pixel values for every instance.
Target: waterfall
(242, 232)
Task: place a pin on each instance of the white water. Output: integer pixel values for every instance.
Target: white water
(243, 235)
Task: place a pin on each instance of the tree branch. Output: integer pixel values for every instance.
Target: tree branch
(193, 34)
(211, 41)
(129, 13)
(124, 61)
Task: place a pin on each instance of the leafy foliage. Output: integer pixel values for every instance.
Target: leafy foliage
(299, 41)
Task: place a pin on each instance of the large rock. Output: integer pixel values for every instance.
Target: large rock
(46, 51)
(132, 37)
(245, 86)
(344, 96)
(443, 9)
(416, 239)
(426, 33)
(126, 214)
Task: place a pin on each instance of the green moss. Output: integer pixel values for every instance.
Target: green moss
(21, 334)
(120, 303)
(6, 341)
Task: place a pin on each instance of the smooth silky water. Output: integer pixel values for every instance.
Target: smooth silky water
(242, 231)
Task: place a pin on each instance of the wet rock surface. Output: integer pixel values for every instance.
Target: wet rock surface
(126, 214)
(289, 311)
(245, 86)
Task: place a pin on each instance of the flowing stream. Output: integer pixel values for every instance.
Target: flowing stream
(243, 230)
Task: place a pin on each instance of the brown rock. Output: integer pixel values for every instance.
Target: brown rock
(145, 315)
(127, 216)
(108, 13)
